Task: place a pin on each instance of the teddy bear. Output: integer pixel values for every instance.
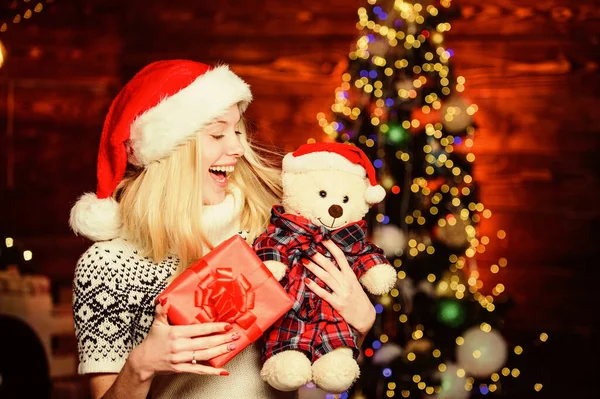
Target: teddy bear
(327, 190)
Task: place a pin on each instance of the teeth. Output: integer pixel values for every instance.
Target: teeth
(226, 169)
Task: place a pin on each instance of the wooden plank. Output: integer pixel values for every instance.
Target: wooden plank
(247, 50)
(43, 211)
(44, 162)
(77, 102)
(88, 61)
(72, 53)
(550, 296)
(275, 19)
(257, 18)
(264, 18)
(568, 237)
(527, 18)
(518, 181)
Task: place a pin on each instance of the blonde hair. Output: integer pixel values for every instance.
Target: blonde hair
(161, 205)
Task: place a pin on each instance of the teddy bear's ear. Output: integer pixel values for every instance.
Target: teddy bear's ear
(374, 194)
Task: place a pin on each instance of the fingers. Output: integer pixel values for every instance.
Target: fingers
(321, 292)
(202, 354)
(321, 274)
(200, 369)
(339, 257)
(328, 265)
(207, 354)
(161, 312)
(200, 343)
(197, 330)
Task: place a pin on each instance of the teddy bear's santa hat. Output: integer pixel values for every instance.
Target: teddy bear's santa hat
(162, 106)
(335, 156)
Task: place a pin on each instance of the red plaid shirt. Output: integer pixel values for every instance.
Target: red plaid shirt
(289, 238)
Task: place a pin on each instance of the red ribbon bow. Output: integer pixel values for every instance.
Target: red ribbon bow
(220, 297)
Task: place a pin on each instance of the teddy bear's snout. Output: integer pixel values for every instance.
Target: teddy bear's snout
(336, 211)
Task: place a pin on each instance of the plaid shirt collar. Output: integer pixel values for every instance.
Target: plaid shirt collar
(302, 226)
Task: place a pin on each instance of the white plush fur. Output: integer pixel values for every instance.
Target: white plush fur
(155, 133)
(287, 371)
(322, 160)
(331, 161)
(336, 371)
(375, 194)
(379, 279)
(301, 196)
(94, 218)
(277, 269)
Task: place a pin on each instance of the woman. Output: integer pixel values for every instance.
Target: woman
(177, 175)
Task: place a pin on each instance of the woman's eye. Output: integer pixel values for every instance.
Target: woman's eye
(323, 193)
(238, 133)
(218, 136)
(346, 199)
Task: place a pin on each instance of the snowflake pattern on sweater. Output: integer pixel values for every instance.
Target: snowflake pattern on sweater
(113, 295)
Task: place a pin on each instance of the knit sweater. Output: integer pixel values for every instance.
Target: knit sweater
(113, 307)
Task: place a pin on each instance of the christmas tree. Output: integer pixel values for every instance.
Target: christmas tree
(438, 334)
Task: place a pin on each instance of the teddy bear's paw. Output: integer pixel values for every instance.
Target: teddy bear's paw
(379, 279)
(336, 371)
(287, 371)
(277, 269)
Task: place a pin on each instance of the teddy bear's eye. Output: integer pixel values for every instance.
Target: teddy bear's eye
(346, 199)
(323, 193)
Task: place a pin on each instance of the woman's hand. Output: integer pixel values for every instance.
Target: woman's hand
(181, 349)
(348, 297)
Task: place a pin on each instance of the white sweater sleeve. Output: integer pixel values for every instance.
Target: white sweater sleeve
(101, 314)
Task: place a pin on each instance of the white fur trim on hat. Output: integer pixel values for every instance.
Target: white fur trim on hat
(94, 218)
(324, 160)
(321, 160)
(156, 132)
(375, 194)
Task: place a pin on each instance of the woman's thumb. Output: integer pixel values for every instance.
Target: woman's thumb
(161, 313)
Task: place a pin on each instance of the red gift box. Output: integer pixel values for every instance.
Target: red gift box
(229, 284)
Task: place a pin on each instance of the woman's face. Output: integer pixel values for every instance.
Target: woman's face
(221, 148)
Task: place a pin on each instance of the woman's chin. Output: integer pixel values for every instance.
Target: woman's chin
(213, 198)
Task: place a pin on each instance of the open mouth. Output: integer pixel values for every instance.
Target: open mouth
(220, 174)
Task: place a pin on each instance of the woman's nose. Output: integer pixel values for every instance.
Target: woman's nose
(235, 147)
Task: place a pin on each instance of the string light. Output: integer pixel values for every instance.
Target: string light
(31, 9)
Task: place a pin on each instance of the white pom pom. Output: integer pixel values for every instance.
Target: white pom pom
(375, 194)
(95, 218)
(379, 279)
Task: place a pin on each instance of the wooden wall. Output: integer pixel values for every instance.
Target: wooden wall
(531, 66)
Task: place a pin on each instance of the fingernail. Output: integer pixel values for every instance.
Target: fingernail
(228, 327)
(225, 373)
(305, 261)
(307, 281)
(235, 336)
(231, 347)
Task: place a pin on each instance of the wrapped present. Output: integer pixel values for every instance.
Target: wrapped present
(229, 284)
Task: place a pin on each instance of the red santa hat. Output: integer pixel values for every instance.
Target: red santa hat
(161, 107)
(335, 156)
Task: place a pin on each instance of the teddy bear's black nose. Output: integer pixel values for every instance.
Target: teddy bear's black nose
(336, 211)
